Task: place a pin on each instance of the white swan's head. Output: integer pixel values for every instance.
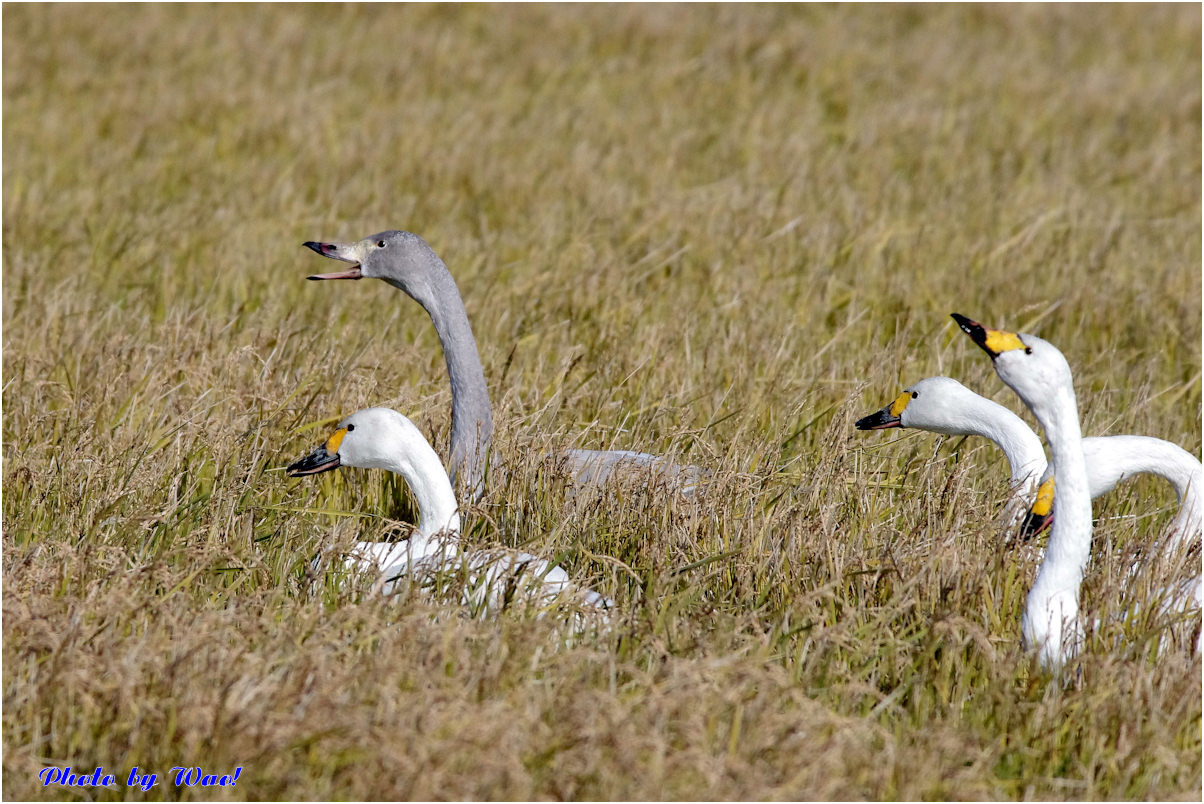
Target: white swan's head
(379, 438)
(936, 404)
(1030, 366)
(401, 258)
(373, 438)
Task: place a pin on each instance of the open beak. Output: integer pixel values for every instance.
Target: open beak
(880, 420)
(336, 251)
(320, 460)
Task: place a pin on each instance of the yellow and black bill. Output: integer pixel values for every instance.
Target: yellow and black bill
(1040, 516)
(322, 459)
(889, 416)
(314, 463)
(992, 341)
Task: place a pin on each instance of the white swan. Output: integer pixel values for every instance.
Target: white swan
(406, 262)
(379, 438)
(944, 405)
(1040, 376)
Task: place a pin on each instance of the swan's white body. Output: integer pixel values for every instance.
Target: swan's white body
(379, 438)
(492, 579)
(1040, 376)
(944, 405)
(405, 261)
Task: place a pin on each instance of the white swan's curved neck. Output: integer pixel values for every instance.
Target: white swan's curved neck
(412, 458)
(1069, 544)
(1181, 469)
(1026, 457)
(437, 511)
(1189, 523)
(1051, 613)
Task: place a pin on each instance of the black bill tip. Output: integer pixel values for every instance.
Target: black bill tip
(320, 460)
(879, 420)
(1034, 524)
(976, 331)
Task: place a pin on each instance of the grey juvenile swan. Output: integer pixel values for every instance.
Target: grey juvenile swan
(406, 262)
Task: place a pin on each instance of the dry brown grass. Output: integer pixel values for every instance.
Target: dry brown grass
(723, 232)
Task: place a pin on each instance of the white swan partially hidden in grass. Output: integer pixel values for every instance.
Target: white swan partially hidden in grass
(1040, 376)
(944, 405)
(379, 438)
(406, 262)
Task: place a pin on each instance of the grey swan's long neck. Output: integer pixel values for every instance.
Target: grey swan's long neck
(472, 416)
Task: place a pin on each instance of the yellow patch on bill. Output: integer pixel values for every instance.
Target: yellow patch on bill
(998, 341)
(1045, 496)
(332, 443)
(897, 407)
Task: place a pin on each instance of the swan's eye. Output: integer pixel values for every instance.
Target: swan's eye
(1028, 350)
(380, 244)
(915, 394)
(350, 427)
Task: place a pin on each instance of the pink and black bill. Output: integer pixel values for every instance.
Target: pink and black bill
(332, 250)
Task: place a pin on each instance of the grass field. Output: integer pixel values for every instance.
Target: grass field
(721, 232)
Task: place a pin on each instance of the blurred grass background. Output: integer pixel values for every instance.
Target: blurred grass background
(719, 231)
